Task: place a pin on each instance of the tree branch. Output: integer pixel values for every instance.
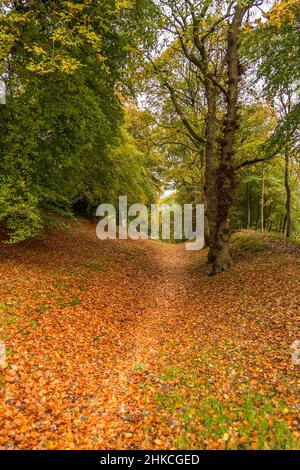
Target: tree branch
(257, 160)
(184, 120)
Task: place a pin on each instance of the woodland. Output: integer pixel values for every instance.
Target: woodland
(120, 344)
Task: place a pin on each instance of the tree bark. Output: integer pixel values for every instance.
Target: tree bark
(262, 203)
(226, 170)
(248, 208)
(219, 166)
(210, 170)
(288, 218)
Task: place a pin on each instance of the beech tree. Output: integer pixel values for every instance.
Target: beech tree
(66, 67)
(206, 36)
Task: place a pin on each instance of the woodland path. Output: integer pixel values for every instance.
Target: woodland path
(123, 344)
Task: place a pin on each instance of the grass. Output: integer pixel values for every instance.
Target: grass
(34, 324)
(129, 249)
(252, 240)
(61, 284)
(7, 315)
(96, 266)
(2, 383)
(71, 301)
(249, 241)
(247, 420)
(43, 307)
(139, 367)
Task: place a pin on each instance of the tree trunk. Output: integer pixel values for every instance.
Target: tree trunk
(288, 219)
(248, 208)
(284, 225)
(262, 203)
(210, 170)
(226, 171)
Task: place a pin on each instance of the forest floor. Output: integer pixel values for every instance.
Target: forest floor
(130, 345)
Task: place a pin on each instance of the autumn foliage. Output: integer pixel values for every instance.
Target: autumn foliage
(130, 345)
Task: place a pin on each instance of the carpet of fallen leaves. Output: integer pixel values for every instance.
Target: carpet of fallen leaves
(130, 345)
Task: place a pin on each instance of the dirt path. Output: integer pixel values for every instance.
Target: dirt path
(131, 345)
(163, 297)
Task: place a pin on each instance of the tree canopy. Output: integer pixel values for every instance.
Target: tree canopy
(129, 97)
